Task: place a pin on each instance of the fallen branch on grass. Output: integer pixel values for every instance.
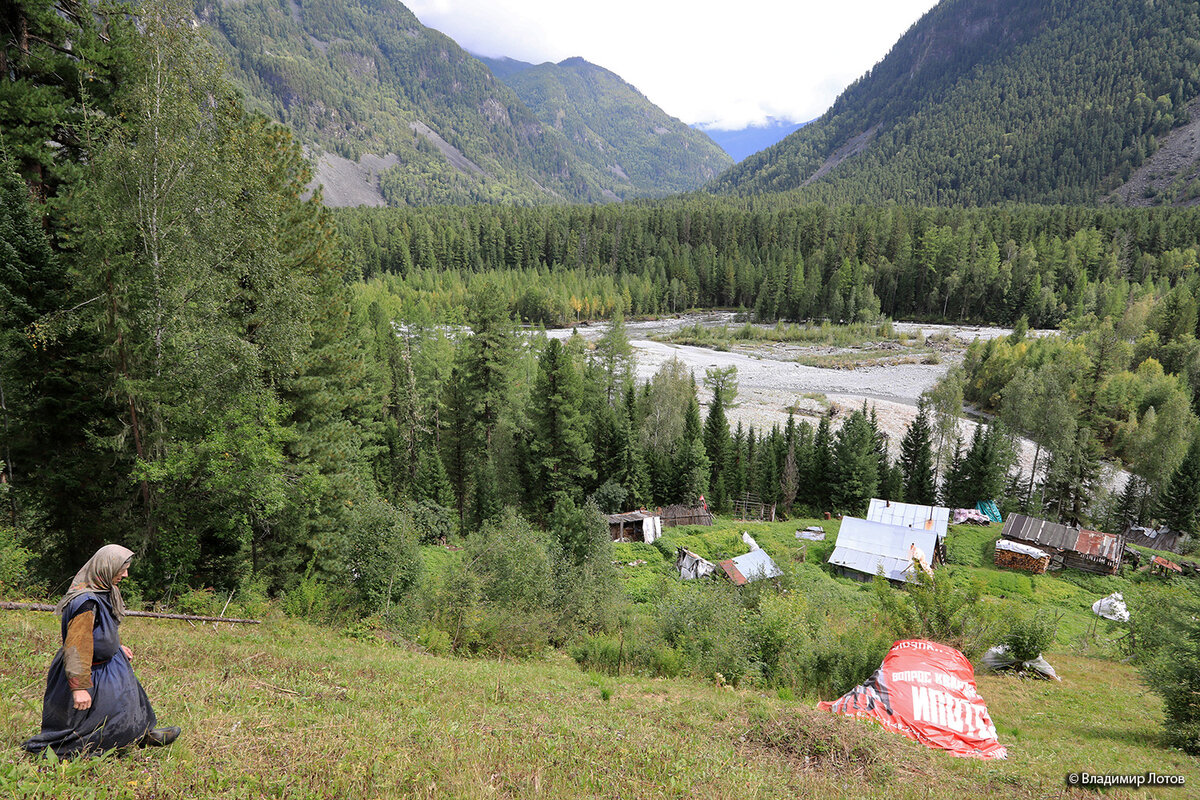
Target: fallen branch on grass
(152, 614)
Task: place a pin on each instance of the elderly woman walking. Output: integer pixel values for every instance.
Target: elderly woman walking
(93, 700)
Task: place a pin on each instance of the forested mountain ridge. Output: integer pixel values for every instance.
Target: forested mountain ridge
(610, 124)
(984, 101)
(359, 77)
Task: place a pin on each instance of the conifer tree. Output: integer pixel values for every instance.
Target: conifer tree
(431, 483)
(916, 459)
(855, 465)
(820, 477)
(956, 489)
(561, 453)
(716, 446)
(691, 463)
(1179, 505)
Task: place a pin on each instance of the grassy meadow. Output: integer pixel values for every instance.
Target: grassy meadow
(292, 710)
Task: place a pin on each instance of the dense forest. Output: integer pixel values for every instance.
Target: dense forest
(785, 261)
(986, 101)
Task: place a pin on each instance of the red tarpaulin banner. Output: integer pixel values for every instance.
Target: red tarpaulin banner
(926, 691)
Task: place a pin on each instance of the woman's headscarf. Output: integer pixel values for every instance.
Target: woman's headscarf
(96, 576)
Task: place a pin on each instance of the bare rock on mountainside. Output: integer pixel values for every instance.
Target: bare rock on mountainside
(1167, 176)
(348, 183)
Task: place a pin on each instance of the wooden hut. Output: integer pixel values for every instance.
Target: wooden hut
(634, 526)
(1077, 548)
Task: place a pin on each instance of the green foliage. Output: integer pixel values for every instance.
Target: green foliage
(855, 478)
(1030, 634)
(940, 608)
(14, 564)
(1173, 671)
(706, 624)
(515, 564)
(382, 554)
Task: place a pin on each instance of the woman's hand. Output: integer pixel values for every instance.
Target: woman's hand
(83, 700)
(128, 653)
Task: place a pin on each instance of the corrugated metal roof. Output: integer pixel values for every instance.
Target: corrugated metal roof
(909, 515)
(865, 546)
(629, 516)
(752, 566)
(1162, 562)
(1038, 531)
(1099, 544)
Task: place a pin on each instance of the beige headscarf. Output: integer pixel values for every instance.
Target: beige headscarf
(96, 576)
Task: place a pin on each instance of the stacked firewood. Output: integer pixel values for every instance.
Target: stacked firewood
(1006, 559)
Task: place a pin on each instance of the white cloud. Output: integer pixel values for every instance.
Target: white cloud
(720, 65)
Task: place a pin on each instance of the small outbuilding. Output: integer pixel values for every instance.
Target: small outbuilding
(634, 526)
(685, 515)
(1162, 538)
(753, 566)
(909, 515)
(1078, 548)
(912, 515)
(1162, 566)
(865, 549)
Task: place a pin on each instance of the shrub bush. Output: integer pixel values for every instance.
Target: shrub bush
(1173, 670)
(705, 622)
(382, 558)
(1030, 635)
(942, 609)
(14, 563)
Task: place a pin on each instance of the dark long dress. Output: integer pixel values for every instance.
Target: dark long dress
(120, 713)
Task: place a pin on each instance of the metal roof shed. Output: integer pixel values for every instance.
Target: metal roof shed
(864, 548)
(752, 566)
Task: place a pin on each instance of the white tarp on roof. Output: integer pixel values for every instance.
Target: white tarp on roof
(1023, 549)
(910, 515)
(867, 547)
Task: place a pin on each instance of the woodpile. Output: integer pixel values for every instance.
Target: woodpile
(1009, 557)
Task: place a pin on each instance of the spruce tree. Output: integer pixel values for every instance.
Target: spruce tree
(1179, 505)
(916, 460)
(855, 465)
(716, 445)
(820, 478)
(560, 451)
(692, 468)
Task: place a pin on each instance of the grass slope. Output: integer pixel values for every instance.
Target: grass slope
(289, 710)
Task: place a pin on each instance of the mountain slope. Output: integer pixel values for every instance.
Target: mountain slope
(986, 101)
(402, 114)
(613, 127)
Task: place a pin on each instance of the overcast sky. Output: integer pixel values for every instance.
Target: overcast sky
(724, 65)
